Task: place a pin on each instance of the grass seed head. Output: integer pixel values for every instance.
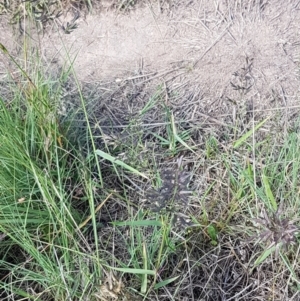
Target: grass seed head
(277, 230)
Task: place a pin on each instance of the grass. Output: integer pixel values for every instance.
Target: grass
(130, 204)
(46, 12)
(53, 200)
(51, 194)
(39, 218)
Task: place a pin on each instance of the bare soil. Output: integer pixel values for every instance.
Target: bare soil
(200, 43)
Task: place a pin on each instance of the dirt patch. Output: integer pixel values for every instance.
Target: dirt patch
(206, 42)
(195, 48)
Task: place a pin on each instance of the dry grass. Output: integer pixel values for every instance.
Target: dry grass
(213, 163)
(45, 12)
(213, 258)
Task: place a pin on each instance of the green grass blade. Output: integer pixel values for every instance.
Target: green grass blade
(151, 103)
(165, 282)
(114, 160)
(134, 271)
(145, 265)
(142, 223)
(5, 51)
(163, 140)
(268, 191)
(240, 141)
(176, 136)
(183, 143)
(263, 256)
(289, 267)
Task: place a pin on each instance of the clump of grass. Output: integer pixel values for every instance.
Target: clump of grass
(52, 200)
(263, 173)
(42, 245)
(276, 230)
